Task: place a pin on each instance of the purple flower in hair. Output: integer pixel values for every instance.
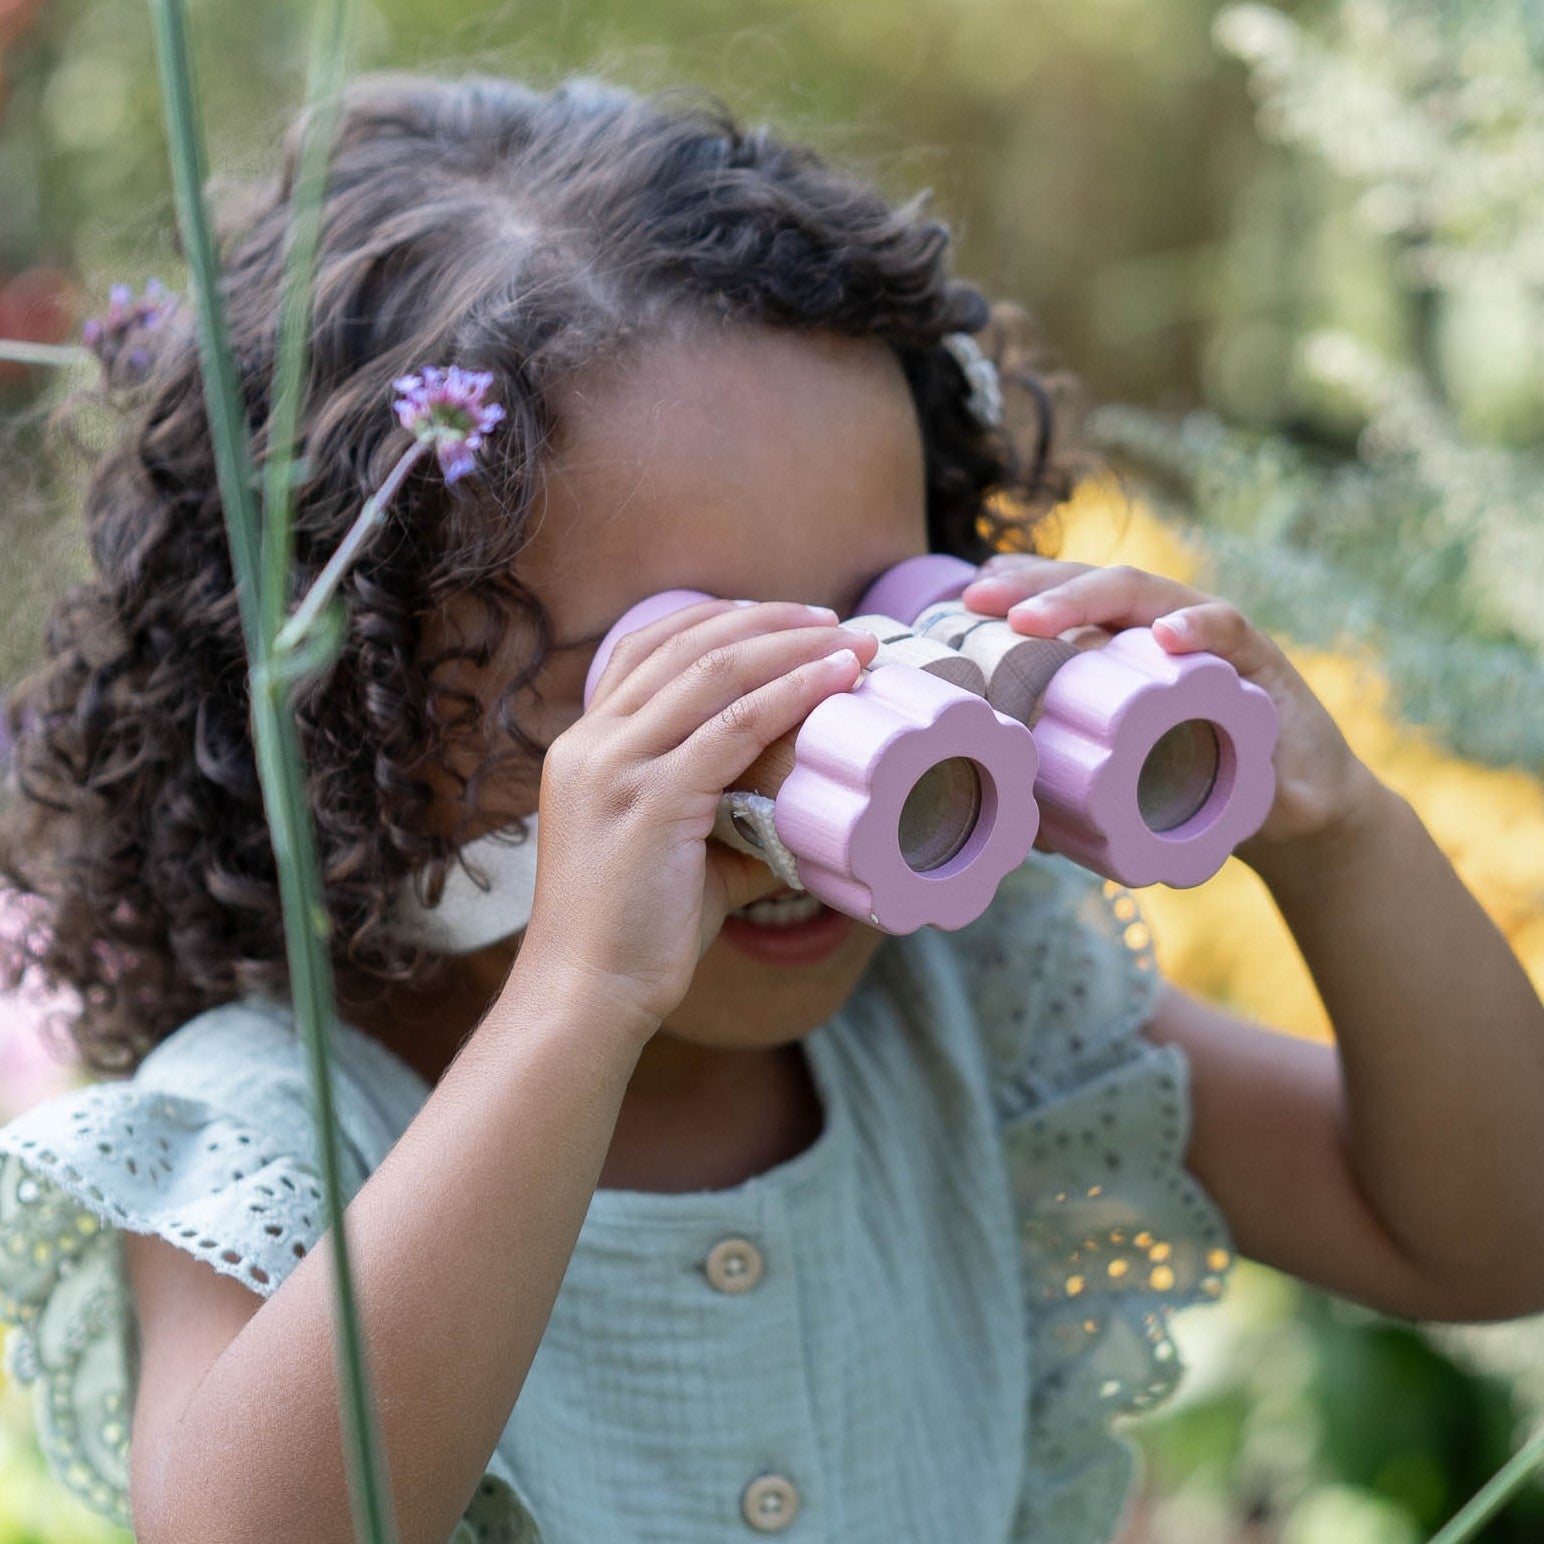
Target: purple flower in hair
(119, 337)
(446, 408)
(446, 411)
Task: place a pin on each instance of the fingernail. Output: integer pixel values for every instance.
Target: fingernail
(843, 659)
(1036, 605)
(825, 613)
(745, 603)
(1177, 623)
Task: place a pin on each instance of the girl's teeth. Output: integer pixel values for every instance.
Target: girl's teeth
(783, 912)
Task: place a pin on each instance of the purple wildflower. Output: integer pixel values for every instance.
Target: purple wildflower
(118, 338)
(446, 409)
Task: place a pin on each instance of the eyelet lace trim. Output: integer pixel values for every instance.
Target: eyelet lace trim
(84, 1168)
(1115, 1235)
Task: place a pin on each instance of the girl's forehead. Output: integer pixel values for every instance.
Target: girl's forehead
(750, 463)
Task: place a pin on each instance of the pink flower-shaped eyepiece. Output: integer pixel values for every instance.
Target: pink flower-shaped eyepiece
(909, 801)
(448, 409)
(1153, 766)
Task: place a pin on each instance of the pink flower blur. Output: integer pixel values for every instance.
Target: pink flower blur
(30, 1071)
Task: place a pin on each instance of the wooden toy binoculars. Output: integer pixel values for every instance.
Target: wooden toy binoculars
(908, 799)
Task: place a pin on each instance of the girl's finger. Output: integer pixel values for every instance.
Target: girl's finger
(722, 748)
(1221, 629)
(654, 662)
(1104, 597)
(1008, 578)
(634, 647)
(721, 681)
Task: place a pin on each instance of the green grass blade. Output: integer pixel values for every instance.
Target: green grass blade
(277, 747)
(323, 85)
(227, 419)
(1494, 1494)
(18, 351)
(279, 766)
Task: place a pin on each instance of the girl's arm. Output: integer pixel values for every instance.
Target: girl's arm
(1400, 1166)
(461, 1237)
(459, 1243)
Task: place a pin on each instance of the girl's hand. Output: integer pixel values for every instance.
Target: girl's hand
(1322, 789)
(629, 891)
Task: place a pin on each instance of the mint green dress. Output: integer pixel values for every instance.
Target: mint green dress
(919, 1328)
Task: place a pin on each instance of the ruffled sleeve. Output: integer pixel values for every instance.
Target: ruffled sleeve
(209, 1146)
(1116, 1235)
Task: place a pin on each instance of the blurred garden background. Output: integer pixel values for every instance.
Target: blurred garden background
(1294, 253)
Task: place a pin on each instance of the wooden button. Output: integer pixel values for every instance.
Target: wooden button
(734, 1265)
(770, 1503)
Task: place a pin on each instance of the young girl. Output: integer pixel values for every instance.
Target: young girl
(676, 1214)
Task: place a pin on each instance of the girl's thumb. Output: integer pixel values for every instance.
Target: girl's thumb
(742, 879)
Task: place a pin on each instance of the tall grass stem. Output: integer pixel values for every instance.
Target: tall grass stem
(18, 351)
(276, 743)
(1494, 1494)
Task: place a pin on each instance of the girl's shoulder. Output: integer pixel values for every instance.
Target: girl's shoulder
(210, 1146)
(206, 1146)
(237, 1073)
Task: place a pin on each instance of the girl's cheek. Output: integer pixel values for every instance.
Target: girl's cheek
(555, 701)
(546, 715)
(557, 721)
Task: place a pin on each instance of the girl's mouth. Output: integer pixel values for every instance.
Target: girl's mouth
(784, 909)
(789, 928)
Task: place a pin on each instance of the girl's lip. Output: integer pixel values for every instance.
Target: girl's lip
(803, 943)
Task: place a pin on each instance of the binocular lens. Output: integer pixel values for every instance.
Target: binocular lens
(1179, 774)
(940, 812)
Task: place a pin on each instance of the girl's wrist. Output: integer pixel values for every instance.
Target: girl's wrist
(1343, 839)
(596, 1002)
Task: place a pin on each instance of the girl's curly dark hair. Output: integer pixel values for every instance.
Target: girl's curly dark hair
(474, 222)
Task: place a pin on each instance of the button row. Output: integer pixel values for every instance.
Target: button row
(771, 1501)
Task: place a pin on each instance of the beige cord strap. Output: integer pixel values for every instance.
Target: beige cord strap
(744, 822)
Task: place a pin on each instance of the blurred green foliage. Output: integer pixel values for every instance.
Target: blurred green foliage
(1427, 546)
(1316, 1422)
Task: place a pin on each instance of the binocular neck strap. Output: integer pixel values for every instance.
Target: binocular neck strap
(744, 822)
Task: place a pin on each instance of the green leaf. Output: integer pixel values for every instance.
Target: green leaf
(318, 648)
